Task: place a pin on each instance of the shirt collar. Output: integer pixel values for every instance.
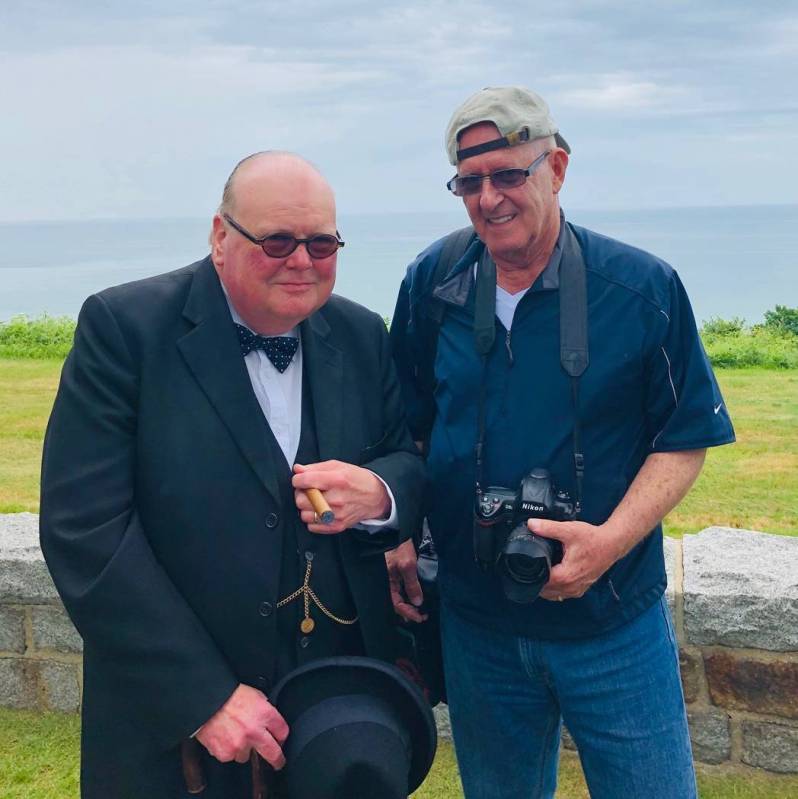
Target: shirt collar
(292, 333)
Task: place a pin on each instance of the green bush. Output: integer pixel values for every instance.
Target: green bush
(723, 327)
(782, 320)
(757, 347)
(773, 345)
(728, 342)
(45, 337)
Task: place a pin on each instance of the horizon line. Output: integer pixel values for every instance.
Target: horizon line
(437, 211)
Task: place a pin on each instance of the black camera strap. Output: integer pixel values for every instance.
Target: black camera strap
(484, 336)
(574, 357)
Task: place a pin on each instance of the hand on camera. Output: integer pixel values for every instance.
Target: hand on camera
(588, 551)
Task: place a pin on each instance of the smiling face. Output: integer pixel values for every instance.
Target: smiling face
(275, 193)
(520, 225)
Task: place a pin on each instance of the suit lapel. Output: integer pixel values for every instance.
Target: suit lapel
(324, 373)
(212, 353)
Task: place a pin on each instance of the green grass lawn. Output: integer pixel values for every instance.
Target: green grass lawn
(27, 389)
(39, 760)
(753, 483)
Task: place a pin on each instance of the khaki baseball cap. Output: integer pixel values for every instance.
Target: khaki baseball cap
(518, 113)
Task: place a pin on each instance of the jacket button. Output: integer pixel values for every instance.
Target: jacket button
(271, 520)
(304, 642)
(262, 681)
(265, 609)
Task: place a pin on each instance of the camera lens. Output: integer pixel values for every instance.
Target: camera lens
(525, 564)
(524, 569)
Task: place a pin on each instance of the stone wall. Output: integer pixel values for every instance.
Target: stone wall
(735, 602)
(40, 650)
(733, 595)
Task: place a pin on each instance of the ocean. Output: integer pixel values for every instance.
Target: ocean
(734, 261)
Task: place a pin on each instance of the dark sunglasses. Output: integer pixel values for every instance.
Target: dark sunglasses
(281, 245)
(502, 179)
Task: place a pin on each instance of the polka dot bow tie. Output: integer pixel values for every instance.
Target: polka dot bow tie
(279, 349)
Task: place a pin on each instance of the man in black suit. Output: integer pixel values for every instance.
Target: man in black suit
(185, 550)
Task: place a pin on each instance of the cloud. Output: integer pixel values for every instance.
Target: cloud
(628, 94)
(142, 108)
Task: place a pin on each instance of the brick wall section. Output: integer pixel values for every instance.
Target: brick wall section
(733, 595)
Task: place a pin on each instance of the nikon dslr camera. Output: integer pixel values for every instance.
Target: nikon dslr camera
(503, 543)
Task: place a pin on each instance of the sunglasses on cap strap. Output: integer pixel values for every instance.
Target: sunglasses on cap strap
(461, 185)
(281, 245)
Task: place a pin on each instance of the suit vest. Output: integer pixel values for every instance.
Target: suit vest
(327, 577)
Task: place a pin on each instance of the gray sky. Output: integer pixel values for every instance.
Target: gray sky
(113, 111)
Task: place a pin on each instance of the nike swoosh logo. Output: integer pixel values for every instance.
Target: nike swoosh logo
(717, 408)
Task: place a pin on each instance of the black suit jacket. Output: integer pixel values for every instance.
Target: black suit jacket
(160, 515)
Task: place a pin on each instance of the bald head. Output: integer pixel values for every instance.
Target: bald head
(274, 167)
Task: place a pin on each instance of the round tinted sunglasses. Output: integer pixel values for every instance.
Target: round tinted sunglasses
(461, 185)
(281, 245)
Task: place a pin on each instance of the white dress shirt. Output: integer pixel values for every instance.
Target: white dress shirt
(279, 395)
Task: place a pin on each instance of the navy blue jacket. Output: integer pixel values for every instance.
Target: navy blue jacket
(649, 388)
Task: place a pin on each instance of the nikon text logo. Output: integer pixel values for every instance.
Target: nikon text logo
(531, 506)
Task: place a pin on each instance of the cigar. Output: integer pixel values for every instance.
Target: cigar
(323, 510)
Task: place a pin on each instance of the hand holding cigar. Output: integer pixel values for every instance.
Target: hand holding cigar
(340, 492)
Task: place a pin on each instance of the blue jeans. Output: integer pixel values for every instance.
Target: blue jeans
(618, 693)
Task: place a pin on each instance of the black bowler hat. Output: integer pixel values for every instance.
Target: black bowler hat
(359, 729)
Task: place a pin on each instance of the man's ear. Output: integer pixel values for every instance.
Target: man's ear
(218, 235)
(559, 164)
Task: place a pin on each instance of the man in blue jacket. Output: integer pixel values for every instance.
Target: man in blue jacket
(625, 439)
